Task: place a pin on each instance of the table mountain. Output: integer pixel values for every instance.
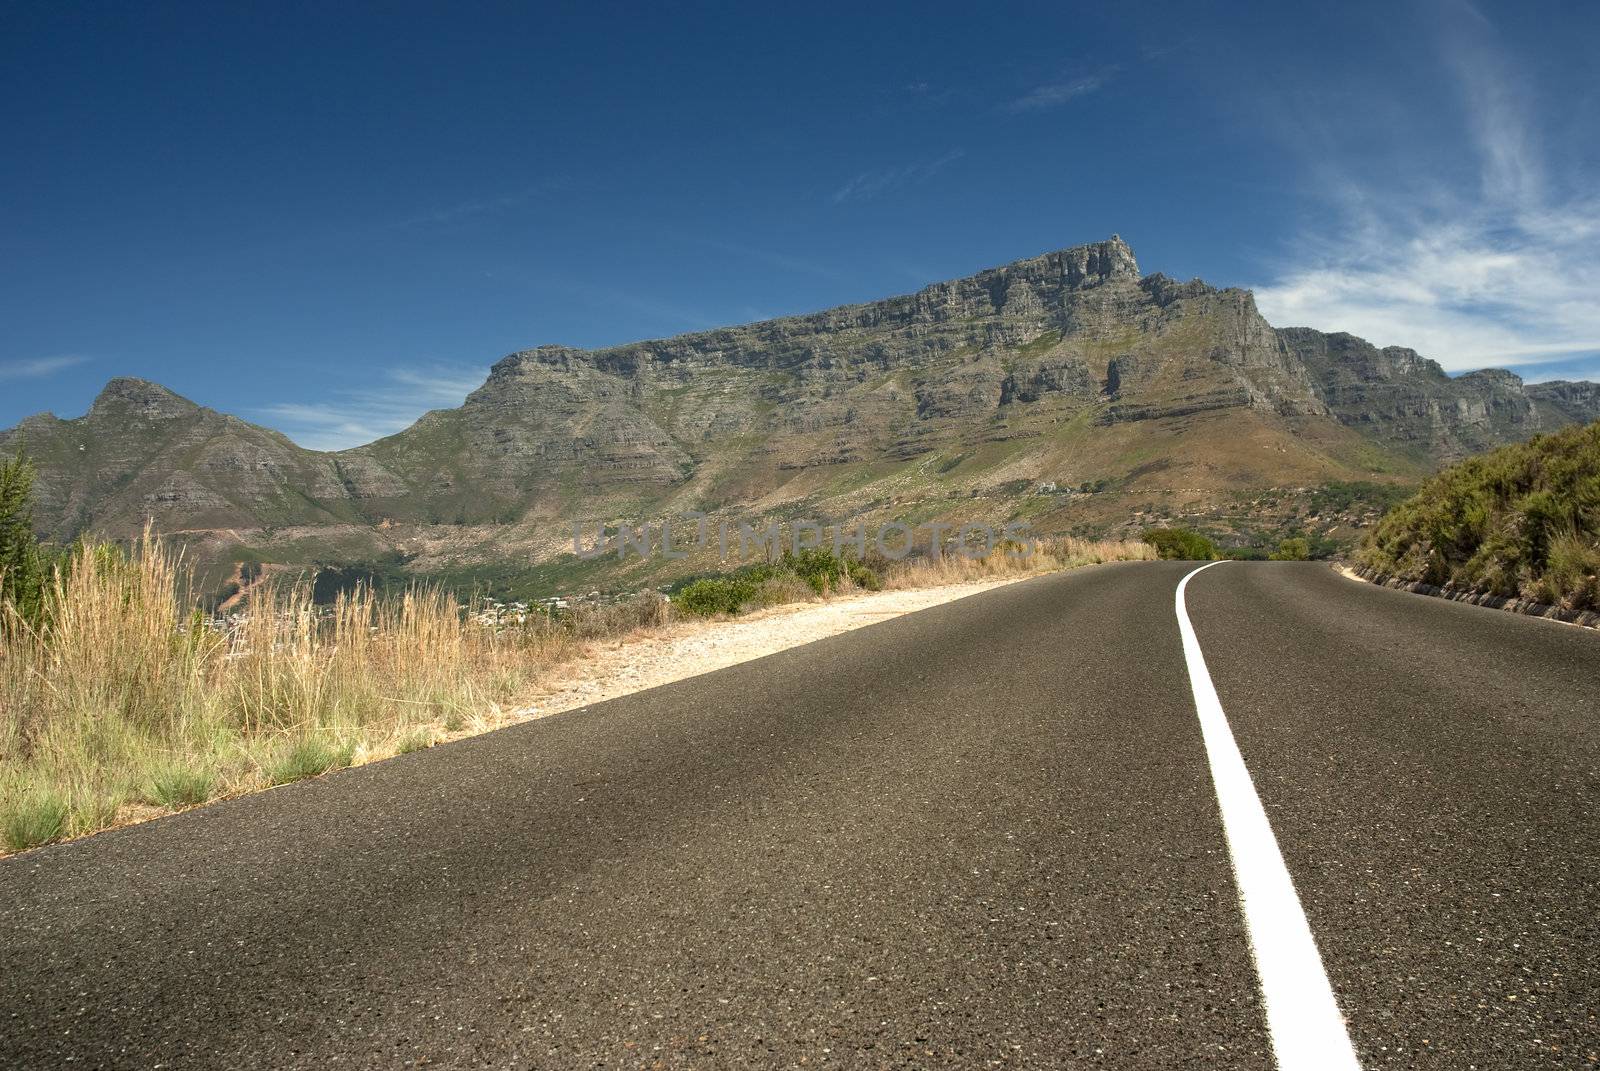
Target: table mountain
(1072, 369)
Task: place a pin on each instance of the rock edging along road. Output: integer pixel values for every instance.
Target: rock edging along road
(1586, 618)
(985, 834)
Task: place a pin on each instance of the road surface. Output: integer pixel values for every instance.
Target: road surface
(986, 834)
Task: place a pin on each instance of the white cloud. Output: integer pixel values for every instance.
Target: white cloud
(358, 416)
(1055, 94)
(1504, 273)
(869, 184)
(37, 367)
(1479, 290)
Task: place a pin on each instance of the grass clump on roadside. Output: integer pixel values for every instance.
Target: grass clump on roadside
(35, 817)
(416, 740)
(1521, 521)
(306, 757)
(175, 787)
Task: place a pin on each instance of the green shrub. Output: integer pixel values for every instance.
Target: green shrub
(820, 568)
(1181, 544)
(34, 818)
(717, 595)
(865, 577)
(1340, 496)
(1293, 549)
(824, 570)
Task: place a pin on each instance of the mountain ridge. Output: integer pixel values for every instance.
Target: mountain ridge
(1067, 368)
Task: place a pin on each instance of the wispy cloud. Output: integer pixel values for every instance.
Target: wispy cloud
(652, 315)
(473, 208)
(772, 258)
(1505, 271)
(869, 184)
(1056, 94)
(356, 416)
(37, 367)
(645, 306)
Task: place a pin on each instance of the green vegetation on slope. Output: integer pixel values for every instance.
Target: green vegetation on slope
(1523, 521)
(812, 571)
(1344, 496)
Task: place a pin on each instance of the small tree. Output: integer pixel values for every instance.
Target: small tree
(23, 568)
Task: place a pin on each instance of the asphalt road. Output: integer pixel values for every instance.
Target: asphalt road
(981, 835)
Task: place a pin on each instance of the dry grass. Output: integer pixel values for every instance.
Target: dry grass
(1048, 556)
(122, 699)
(123, 704)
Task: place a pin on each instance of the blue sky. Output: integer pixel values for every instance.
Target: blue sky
(330, 218)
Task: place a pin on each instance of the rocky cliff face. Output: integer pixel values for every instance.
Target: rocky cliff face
(1404, 400)
(1562, 402)
(1071, 367)
(1003, 355)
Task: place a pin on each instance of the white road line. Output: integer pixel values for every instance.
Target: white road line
(1308, 1033)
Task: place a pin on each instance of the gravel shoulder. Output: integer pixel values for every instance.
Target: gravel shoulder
(614, 668)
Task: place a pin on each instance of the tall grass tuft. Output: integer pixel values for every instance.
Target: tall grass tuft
(304, 757)
(33, 818)
(180, 786)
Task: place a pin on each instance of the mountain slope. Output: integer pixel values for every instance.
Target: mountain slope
(142, 451)
(958, 401)
(1003, 357)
